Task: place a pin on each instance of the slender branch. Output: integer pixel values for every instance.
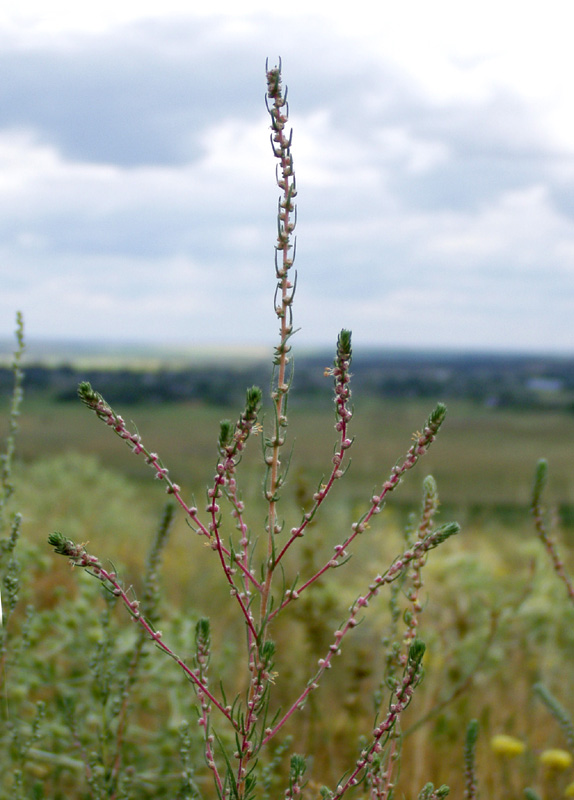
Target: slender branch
(403, 696)
(342, 377)
(79, 557)
(6, 459)
(418, 550)
(419, 448)
(284, 256)
(545, 535)
(103, 410)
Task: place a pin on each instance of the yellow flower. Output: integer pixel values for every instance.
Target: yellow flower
(556, 759)
(507, 746)
(569, 790)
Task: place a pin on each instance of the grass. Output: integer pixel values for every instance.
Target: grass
(486, 585)
(483, 580)
(483, 467)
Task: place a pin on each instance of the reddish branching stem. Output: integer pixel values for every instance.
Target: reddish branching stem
(79, 557)
(381, 733)
(419, 448)
(413, 554)
(96, 403)
(248, 719)
(342, 377)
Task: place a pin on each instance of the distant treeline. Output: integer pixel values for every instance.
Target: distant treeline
(491, 380)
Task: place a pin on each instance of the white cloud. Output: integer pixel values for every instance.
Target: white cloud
(521, 229)
(433, 164)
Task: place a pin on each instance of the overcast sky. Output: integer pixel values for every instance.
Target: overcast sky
(433, 146)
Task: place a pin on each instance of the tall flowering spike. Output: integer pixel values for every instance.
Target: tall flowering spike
(430, 491)
(344, 350)
(540, 481)
(342, 376)
(6, 458)
(225, 433)
(416, 652)
(558, 712)
(430, 504)
(471, 789)
(151, 590)
(298, 767)
(62, 545)
(443, 533)
(89, 396)
(277, 106)
(253, 402)
(287, 212)
(202, 636)
(232, 438)
(544, 527)
(436, 418)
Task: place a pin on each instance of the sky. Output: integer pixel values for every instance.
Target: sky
(433, 146)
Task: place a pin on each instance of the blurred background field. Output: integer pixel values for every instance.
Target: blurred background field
(483, 463)
(496, 619)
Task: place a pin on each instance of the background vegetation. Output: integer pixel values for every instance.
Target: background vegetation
(91, 709)
(496, 619)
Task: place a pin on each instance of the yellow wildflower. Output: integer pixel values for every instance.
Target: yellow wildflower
(556, 759)
(507, 746)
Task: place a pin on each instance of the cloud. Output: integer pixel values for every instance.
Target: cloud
(139, 97)
(137, 192)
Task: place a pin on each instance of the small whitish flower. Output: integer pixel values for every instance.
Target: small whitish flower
(569, 790)
(507, 746)
(556, 759)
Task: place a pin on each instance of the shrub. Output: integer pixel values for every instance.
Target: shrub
(242, 724)
(94, 709)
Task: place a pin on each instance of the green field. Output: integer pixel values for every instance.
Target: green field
(495, 618)
(483, 459)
